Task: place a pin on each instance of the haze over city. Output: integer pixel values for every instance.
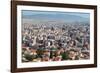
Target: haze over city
(55, 36)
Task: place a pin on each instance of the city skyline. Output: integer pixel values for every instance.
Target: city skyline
(47, 36)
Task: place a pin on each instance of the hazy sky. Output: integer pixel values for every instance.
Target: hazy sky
(34, 12)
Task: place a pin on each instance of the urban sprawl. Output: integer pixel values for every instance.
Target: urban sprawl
(55, 42)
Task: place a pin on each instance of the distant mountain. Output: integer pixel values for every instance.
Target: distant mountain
(56, 17)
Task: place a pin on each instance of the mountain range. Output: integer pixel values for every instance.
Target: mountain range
(56, 17)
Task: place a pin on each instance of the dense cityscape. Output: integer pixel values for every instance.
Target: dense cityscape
(55, 41)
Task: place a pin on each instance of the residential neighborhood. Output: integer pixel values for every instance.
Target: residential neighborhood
(55, 41)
